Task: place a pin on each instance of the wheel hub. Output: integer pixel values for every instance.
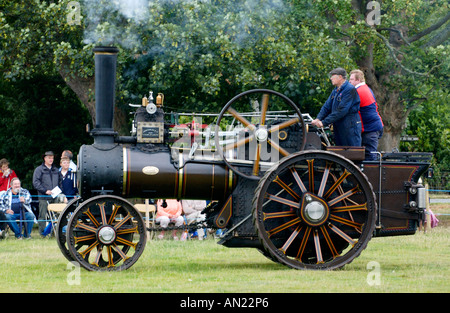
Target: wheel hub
(261, 134)
(314, 210)
(106, 235)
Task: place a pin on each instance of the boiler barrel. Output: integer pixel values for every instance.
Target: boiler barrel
(131, 173)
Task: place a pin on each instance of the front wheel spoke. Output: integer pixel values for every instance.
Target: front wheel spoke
(81, 225)
(89, 249)
(336, 184)
(342, 234)
(110, 256)
(344, 196)
(98, 256)
(348, 208)
(282, 200)
(120, 252)
(287, 188)
(329, 241)
(318, 247)
(345, 221)
(122, 222)
(290, 239)
(283, 226)
(114, 213)
(102, 212)
(124, 231)
(126, 242)
(92, 218)
(84, 238)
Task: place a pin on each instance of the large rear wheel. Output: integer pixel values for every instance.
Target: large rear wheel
(314, 210)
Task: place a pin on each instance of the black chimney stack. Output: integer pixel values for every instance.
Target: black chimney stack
(105, 81)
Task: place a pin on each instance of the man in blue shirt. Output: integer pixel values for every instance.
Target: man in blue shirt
(342, 110)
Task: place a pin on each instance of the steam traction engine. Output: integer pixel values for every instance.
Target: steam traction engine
(275, 184)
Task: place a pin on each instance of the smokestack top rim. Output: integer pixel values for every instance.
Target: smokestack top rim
(106, 49)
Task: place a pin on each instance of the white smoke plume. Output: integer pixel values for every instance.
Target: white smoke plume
(113, 22)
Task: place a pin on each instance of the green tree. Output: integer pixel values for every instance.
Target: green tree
(404, 53)
(201, 53)
(39, 114)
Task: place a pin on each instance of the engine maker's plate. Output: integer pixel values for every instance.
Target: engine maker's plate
(150, 132)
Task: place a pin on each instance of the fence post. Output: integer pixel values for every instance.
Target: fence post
(427, 211)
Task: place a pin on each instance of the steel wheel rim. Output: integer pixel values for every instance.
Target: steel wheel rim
(335, 234)
(61, 227)
(106, 233)
(259, 132)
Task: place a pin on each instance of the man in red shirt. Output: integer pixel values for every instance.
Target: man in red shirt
(371, 122)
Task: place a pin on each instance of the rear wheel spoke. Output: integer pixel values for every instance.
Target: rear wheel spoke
(317, 247)
(279, 215)
(337, 184)
(288, 189)
(324, 179)
(291, 239)
(283, 226)
(329, 241)
(311, 175)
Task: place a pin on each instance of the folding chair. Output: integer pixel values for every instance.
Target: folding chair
(54, 210)
(148, 209)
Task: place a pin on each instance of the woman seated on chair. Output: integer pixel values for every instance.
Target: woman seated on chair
(169, 211)
(15, 203)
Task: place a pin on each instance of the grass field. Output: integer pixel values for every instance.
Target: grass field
(417, 263)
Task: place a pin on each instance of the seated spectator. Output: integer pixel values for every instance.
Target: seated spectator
(69, 180)
(2, 224)
(6, 176)
(12, 202)
(169, 211)
(193, 212)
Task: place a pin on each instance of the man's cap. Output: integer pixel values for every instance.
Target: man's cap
(338, 71)
(48, 153)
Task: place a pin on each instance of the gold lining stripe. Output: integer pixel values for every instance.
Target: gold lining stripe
(125, 171)
(106, 53)
(180, 175)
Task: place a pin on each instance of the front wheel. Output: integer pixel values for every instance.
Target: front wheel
(314, 210)
(106, 233)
